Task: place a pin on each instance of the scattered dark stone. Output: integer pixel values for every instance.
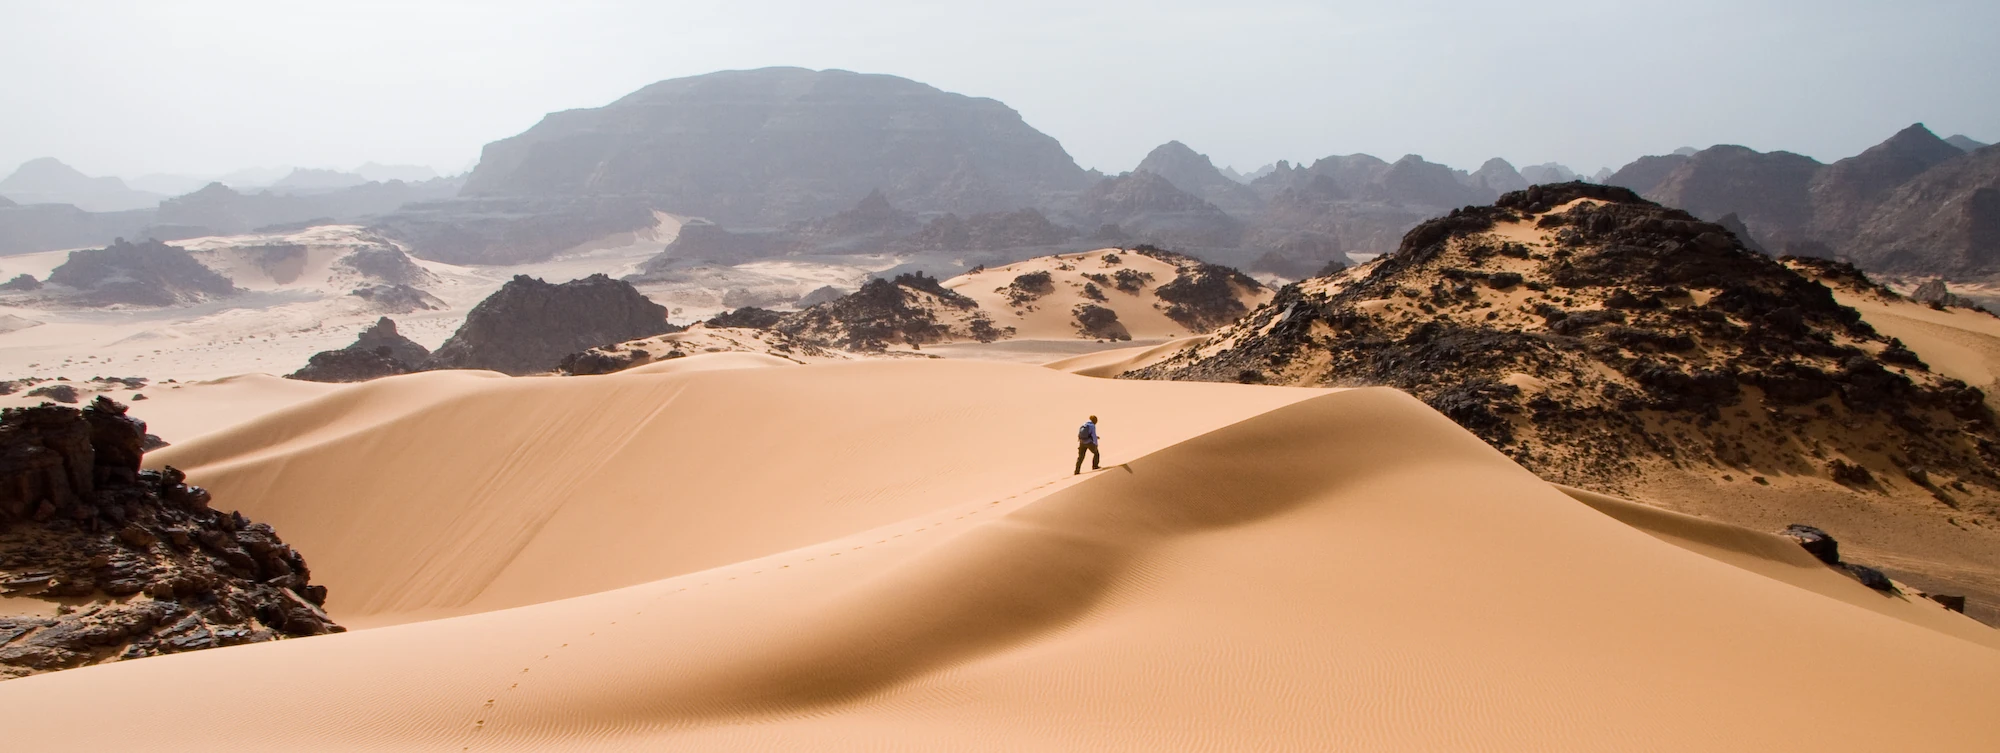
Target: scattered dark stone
(1849, 473)
(61, 393)
(748, 317)
(1871, 577)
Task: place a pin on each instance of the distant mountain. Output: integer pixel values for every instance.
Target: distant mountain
(1913, 204)
(1963, 142)
(384, 173)
(1192, 172)
(779, 145)
(1411, 180)
(1548, 172)
(168, 184)
(1768, 190)
(1846, 192)
(310, 179)
(1147, 206)
(49, 181)
(1498, 176)
(221, 210)
(1603, 174)
(1646, 173)
(1686, 151)
(48, 227)
(1945, 221)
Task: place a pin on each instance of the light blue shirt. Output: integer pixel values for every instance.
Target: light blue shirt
(1089, 430)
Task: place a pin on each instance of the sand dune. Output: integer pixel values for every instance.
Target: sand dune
(696, 567)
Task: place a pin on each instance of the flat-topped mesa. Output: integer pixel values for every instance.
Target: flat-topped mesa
(1587, 332)
(138, 560)
(529, 325)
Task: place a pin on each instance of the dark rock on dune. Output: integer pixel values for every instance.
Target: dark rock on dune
(378, 352)
(1203, 296)
(143, 274)
(1099, 322)
(157, 570)
(764, 148)
(529, 325)
(1820, 543)
(1871, 577)
(383, 334)
(748, 317)
(21, 283)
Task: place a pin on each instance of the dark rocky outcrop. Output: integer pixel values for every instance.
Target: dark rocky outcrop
(1638, 334)
(141, 274)
(748, 317)
(157, 569)
(529, 325)
(911, 309)
(23, 282)
(764, 148)
(1098, 322)
(384, 264)
(378, 352)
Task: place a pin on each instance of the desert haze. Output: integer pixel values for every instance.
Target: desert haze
(741, 401)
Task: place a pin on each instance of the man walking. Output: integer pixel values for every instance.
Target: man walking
(1086, 441)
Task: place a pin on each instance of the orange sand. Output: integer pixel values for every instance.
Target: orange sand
(892, 555)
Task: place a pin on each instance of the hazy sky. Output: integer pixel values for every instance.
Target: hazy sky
(129, 88)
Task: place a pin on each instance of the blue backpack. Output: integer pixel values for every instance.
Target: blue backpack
(1083, 434)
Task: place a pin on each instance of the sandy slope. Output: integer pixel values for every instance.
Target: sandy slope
(1051, 317)
(858, 556)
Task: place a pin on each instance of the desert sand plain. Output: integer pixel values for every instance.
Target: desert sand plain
(734, 552)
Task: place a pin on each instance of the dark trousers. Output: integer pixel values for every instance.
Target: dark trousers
(1090, 447)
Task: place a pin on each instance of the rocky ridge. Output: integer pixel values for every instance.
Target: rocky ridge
(149, 273)
(1591, 334)
(132, 563)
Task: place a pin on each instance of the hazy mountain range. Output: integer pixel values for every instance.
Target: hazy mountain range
(765, 154)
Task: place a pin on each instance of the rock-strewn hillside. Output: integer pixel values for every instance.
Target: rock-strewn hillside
(763, 148)
(529, 325)
(911, 310)
(1588, 332)
(128, 563)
